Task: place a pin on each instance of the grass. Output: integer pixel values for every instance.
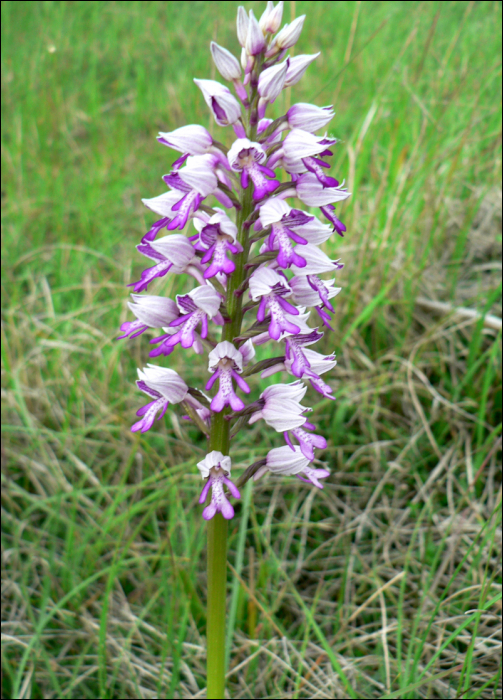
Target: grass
(387, 583)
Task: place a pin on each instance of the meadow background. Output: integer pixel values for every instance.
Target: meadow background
(386, 583)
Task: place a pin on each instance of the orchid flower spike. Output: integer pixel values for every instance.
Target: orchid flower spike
(250, 272)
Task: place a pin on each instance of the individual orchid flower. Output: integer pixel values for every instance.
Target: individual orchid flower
(246, 157)
(217, 468)
(164, 386)
(271, 288)
(226, 362)
(150, 312)
(224, 106)
(285, 461)
(298, 153)
(283, 220)
(307, 441)
(171, 253)
(196, 308)
(219, 236)
(279, 406)
(309, 290)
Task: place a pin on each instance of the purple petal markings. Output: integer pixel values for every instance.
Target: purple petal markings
(216, 468)
(283, 220)
(218, 237)
(328, 211)
(226, 362)
(316, 165)
(195, 307)
(174, 251)
(269, 287)
(165, 386)
(246, 156)
(307, 442)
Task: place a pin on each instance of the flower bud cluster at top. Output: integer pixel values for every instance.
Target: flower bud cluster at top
(253, 258)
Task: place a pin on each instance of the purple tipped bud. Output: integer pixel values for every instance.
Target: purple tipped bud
(271, 81)
(227, 64)
(297, 66)
(192, 139)
(308, 117)
(255, 42)
(242, 25)
(290, 34)
(223, 104)
(271, 18)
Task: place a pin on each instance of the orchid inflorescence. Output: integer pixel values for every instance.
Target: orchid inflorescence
(256, 246)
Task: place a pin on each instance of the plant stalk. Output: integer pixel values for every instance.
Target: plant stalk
(219, 440)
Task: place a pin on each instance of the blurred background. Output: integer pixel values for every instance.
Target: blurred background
(387, 582)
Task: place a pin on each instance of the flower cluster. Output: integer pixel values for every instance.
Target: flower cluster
(255, 258)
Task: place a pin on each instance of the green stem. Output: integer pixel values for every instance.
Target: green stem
(215, 625)
(219, 440)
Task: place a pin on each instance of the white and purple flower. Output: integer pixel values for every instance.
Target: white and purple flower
(216, 468)
(164, 386)
(196, 307)
(246, 157)
(279, 406)
(285, 461)
(271, 288)
(226, 363)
